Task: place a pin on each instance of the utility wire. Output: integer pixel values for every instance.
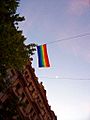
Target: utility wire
(70, 38)
(66, 39)
(64, 78)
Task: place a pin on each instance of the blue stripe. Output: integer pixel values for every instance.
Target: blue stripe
(40, 59)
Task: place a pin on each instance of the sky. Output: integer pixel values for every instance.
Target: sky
(51, 20)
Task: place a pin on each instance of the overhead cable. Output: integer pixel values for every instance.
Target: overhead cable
(64, 78)
(70, 38)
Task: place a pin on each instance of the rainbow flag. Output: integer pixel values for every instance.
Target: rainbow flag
(43, 60)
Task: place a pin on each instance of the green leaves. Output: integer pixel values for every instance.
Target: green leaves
(13, 52)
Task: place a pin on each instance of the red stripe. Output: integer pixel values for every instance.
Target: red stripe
(47, 64)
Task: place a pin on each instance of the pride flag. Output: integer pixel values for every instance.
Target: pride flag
(43, 60)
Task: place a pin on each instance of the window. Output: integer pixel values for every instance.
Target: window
(12, 71)
(26, 75)
(31, 88)
(24, 103)
(27, 102)
(23, 95)
(34, 115)
(31, 110)
(18, 86)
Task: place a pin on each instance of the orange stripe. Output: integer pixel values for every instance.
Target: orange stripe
(46, 61)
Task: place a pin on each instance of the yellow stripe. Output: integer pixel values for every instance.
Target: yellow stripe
(43, 55)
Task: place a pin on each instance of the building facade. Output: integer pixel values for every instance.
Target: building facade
(25, 99)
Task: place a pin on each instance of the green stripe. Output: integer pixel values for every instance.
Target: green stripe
(42, 56)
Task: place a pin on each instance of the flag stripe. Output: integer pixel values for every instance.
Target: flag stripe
(43, 60)
(46, 60)
(40, 61)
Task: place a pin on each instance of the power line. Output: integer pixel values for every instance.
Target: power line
(64, 78)
(69, 38)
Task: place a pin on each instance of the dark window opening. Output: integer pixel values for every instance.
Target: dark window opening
(31, 110)
(12, 71)
(34, 115)
(23, 95)
(18, 86)
(27, 102)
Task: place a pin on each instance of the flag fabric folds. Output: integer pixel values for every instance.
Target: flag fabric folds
(43, 59)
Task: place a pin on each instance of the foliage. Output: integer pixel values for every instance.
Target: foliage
(13, 52)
